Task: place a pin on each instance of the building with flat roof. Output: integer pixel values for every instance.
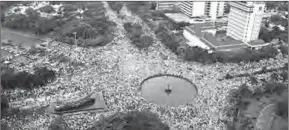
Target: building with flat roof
(244, 20)
(202, 8)
(206, 36)
(166, 5)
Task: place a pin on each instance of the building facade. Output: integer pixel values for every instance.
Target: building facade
(202, 8)
(166, 5)
(244, 20)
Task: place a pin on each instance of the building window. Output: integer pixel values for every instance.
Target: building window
(260, 8)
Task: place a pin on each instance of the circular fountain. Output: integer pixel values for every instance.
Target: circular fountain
(169, 90)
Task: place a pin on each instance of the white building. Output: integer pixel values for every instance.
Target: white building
(166, 5)
(245, 19)
(202, 8)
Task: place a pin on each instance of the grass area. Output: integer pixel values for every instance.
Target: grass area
(25, 39)
(222, 39)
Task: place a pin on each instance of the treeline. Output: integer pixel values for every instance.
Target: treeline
(137, 37)
(86, 33)
(32, 21)
(276, 33)
(24, 80)
(283, 74)
(94, 29)
(134, 120)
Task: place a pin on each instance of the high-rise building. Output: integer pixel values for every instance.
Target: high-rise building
(166, 5)
(202, 8)
(244, 20)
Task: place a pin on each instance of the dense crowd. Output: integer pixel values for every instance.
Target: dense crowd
(117, 69)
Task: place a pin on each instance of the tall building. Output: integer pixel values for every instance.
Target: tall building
(244, 20)
(202, 8)
(166, 5)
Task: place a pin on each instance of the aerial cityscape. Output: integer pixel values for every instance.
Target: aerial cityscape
(144, 65)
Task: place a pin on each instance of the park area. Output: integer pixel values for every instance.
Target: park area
(122, 71)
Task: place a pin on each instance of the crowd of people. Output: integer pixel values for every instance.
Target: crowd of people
(117, 69)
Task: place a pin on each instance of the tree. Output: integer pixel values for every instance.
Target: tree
(153, 5)
(32, 14)
(135, 120)
(275, 32)
(4, 103)
(22, 79)
(283, 37)
(47, 9)
(283, 6)
(69, 8)
(275, 18)
(282, 107)
(278, 20)
(271, 5)
(265, 35)
(146, 41)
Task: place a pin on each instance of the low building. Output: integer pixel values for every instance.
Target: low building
(206, 36)
(195, 33)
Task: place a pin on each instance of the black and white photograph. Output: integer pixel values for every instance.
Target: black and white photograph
(144, 65)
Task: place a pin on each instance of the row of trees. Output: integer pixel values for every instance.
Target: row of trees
(283, 74)
(282, 6)
(134, 120)
(24, 80)
(242, 55)
(94, 29)
(32, 22)
(167, 39)
(137, 37)
(94, 32)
